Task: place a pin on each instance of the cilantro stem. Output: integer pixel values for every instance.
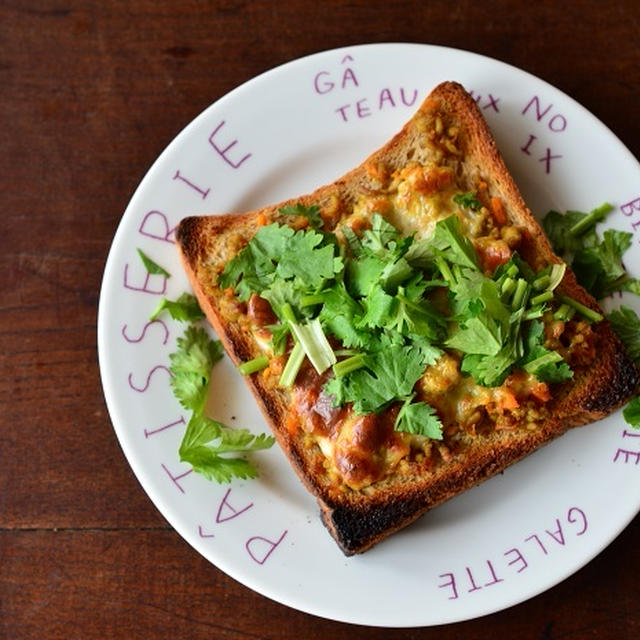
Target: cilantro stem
(353, 363)
(588, 313)
(548, 358)
(557, 273)
(541, 283)
(512, 271)
(445, 270)
(564, 312)
(314, 343)
(292, 367)
(288, 314)
(590, 220)
(251, 366)
(542, 298)
(519, 296)
(310, 300)
(508, 287)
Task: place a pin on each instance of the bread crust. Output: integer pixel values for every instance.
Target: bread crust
(357, 520)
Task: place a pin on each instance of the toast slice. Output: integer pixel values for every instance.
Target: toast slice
(370, 474)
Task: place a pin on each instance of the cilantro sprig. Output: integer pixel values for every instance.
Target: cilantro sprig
(596, 259)
(599, 268)
(206, 443)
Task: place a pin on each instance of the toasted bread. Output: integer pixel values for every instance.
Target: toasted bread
(447, 131)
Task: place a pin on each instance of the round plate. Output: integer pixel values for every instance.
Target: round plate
(283, 134)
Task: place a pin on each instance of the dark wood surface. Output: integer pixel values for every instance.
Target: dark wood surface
(91, 93)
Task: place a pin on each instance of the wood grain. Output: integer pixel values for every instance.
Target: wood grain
(92, 93)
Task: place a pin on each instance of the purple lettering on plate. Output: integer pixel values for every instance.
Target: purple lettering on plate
(223, 151)
(525, 149)
(202, 534)
(322, 82)
(450, 583)
(629, 207)
(203, 193)
(627, 456)
(557, 535)
(406, 102)
(149, 376)
(577, 515)
(144, 332)
(261, 548)
(362, 109)
(547, 158)
(152, 432)
(629, 434)
(513, 561)
(490, 102)
(175, 479)
(343, 112)
(537, 539)
(148, 277)
(385, 96)
(518, 559)
(535, 101)
(494, 577)
(474, 586)
(225, 506)
(349, 77)
(155, 225)
(556, 123)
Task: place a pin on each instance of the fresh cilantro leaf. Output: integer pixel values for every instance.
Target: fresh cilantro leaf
(419, 418)
(184, 309)
(626, 325)
(420, 254)
(151, 266)
(467, 200)
(484, 325)
(395, 273)
(449, 239)
(631, 413)
(281, 293)
(378, 240)
(599, 268)
(481, 335)
(253, 268)
(340, 315)
(353, 241)
(557, 227)
(191, 367)
(544, 364)
(306, 260)
(311, 212)
(205, 441)
(417, 317)
(490, 371)
(362, 274)
(379, 309)
(388, 375)
(277, 253)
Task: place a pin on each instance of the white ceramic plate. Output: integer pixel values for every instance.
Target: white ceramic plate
(283, 134)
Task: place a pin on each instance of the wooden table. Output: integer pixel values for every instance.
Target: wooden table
(91, 94)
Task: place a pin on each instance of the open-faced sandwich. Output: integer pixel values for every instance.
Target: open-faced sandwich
(406, 330)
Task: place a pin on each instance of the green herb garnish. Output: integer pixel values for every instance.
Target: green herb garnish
(151, 266)
(206, 443)
(184, 309)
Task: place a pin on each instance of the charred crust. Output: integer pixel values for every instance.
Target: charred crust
(621, 382)
(187, 237)
(356, 528)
